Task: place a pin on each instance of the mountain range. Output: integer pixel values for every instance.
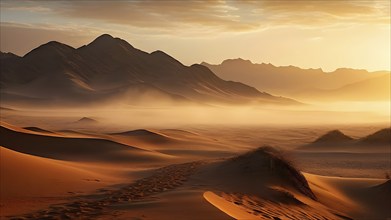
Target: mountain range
(307, 84)
(109, 69)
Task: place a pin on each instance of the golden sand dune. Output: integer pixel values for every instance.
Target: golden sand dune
(335, 140)
(256, 185)
(145, 135)
(73, 149)
(27, 178)
(357, 196)
(162, 180)
(260, 184)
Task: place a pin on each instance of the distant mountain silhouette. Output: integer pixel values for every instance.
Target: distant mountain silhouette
(382, 136)
(111, 69)
(373, 89)
(291, 81)
(332, 137)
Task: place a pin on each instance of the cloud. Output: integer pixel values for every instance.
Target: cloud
(160, 14)
(321, 13)
(230, 15)
(23, 6)
(214, 15)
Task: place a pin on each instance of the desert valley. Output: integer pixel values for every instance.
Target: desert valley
(109, 131)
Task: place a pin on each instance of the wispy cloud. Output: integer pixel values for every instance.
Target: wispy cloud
(318, 13)
(226, 16)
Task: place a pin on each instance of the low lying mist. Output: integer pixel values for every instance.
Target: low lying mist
(117, 116)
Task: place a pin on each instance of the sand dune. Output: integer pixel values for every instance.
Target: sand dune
(162, 180)
(86, 120)
(333, 137)
(355, 196)
(145, 135)
(259, 184)
(335, 140)
(248, 185)
(28, 182)
(241, 206)
(229, 208)
(23, 176)
(240, 173)
(74, 149)
(184, 145)
(380, 137)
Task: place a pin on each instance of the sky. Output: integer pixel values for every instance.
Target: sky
(309, 34)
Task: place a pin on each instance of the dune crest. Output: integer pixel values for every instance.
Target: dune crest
(230, 209)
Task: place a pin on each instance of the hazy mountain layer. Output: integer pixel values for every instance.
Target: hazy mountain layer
(342, 84)
(111, 69)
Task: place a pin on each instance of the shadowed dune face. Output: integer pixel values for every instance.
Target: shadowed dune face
(261, 184)
(383, 189)
(279, 191)
(378, 197)
(255, 172)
